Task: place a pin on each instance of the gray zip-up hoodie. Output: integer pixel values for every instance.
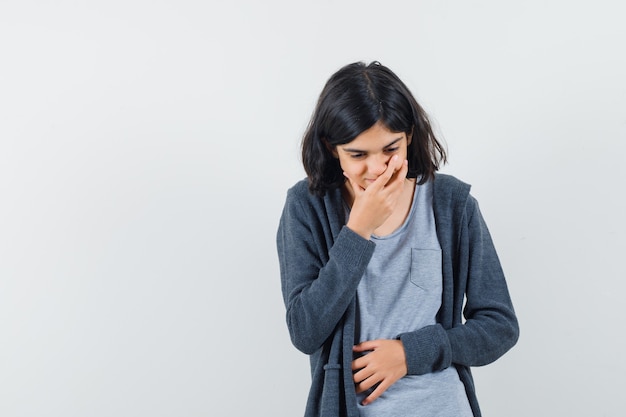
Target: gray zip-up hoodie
(321, 264)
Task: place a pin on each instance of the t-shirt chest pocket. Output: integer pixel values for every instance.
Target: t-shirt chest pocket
(426, 268)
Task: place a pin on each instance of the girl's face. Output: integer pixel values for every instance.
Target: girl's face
(366, 156)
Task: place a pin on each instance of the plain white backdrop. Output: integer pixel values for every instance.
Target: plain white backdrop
(146, 148)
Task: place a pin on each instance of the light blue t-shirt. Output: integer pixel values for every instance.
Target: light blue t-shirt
(401, 292)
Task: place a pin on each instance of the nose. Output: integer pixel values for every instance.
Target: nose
(377, 164)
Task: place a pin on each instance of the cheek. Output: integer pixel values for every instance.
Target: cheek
(351, 167)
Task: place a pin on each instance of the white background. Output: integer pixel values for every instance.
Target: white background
(146, 148)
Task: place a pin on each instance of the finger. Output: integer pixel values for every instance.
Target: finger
(365, 379)
(382, 387)
(366, 346)
(400, 174)
(396, 163)
(366, 385)
(384, 178)
(393, 165)
(361, 376)
(401, 169)
(403, 166)
(360, 363)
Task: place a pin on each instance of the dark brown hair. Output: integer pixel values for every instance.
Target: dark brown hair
(353, 100)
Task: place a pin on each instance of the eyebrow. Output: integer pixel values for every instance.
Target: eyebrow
(361, 151)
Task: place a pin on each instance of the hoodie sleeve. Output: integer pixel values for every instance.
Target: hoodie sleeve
(318, 278)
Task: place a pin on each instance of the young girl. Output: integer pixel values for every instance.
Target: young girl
(389, 275)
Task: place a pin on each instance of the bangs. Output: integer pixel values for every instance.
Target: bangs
(346, 121)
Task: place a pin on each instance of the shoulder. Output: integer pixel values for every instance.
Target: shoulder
(299, 190)
(305, 209)
(447, 188)
(452, 200)
(299, 197)
(294, 210)
(300, 194)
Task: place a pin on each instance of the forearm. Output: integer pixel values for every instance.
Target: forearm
(478, 342)
(316, 298)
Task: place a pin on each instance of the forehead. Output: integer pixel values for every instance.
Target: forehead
(377, 136)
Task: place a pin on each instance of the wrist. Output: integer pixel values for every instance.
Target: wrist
(359, 230)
